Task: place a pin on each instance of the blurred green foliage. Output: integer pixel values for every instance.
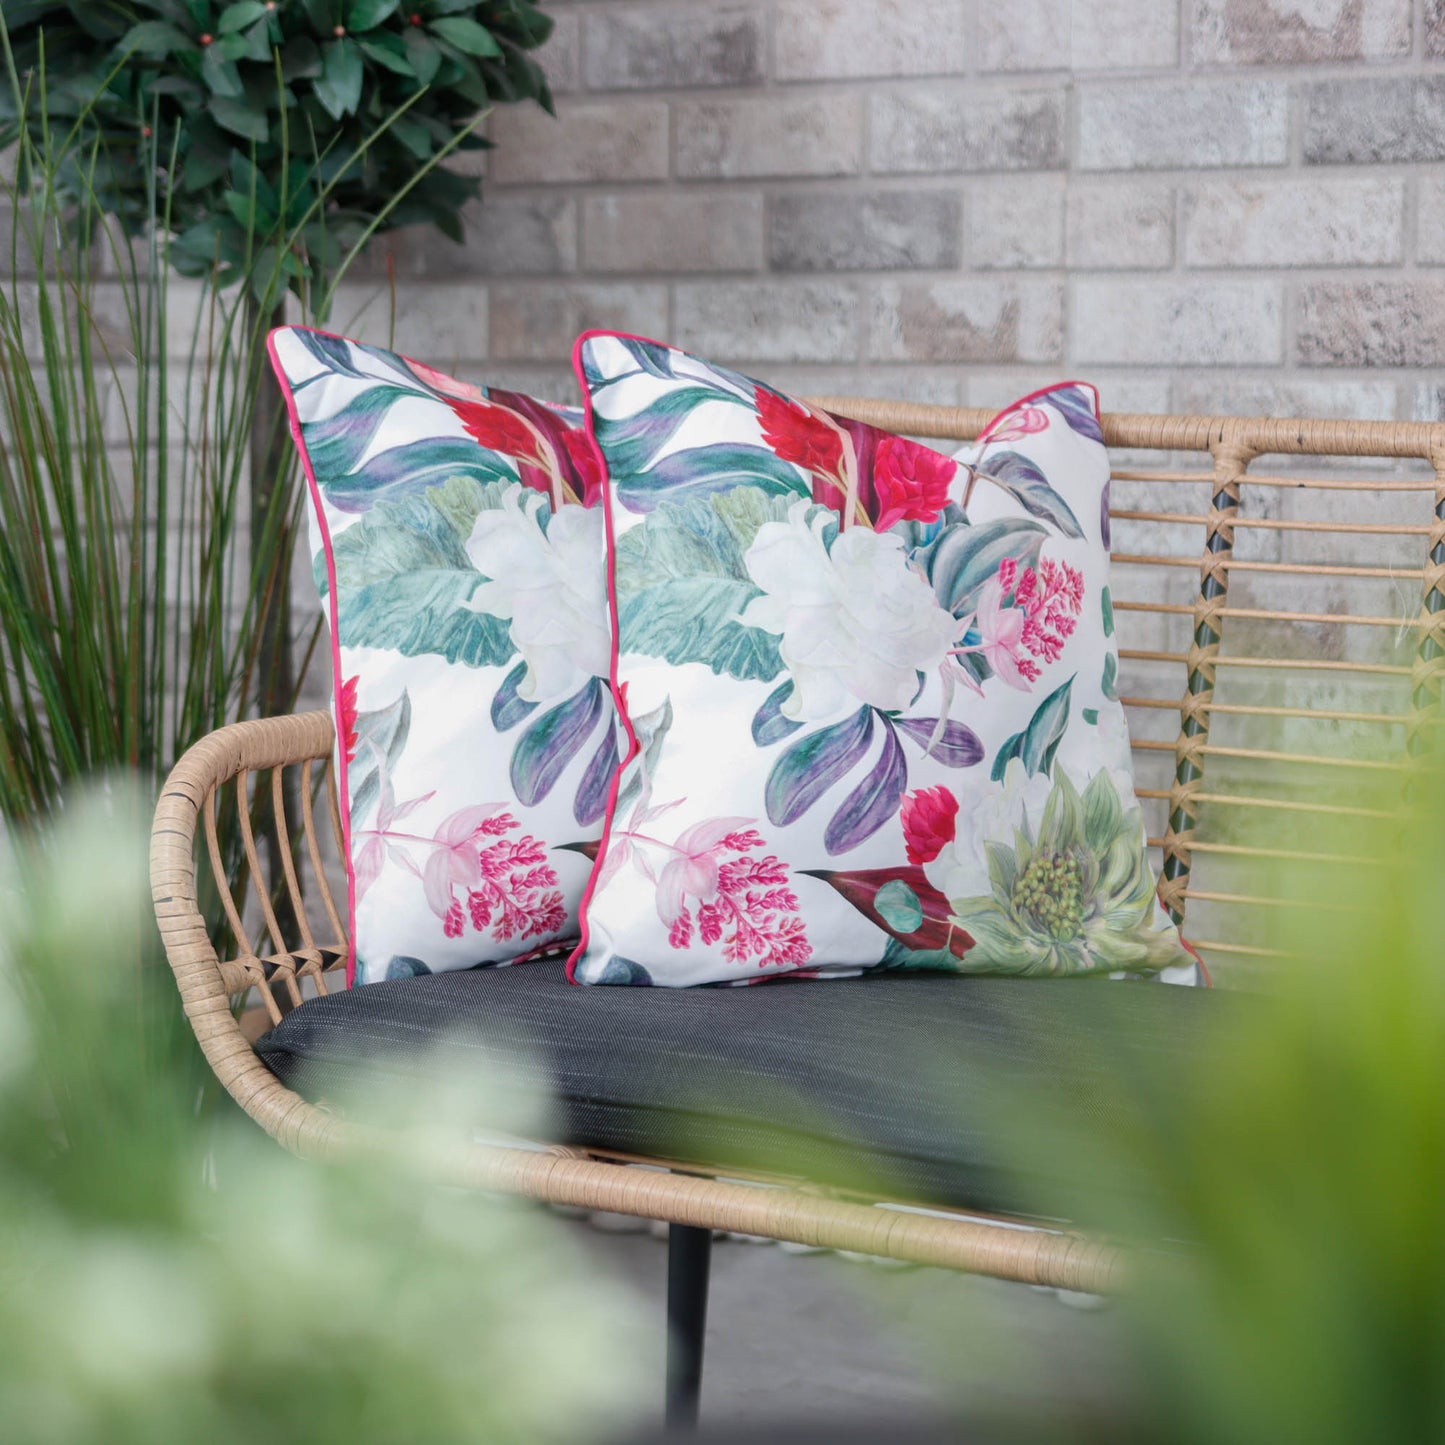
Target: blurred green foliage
(305, 122)
(165, 1278)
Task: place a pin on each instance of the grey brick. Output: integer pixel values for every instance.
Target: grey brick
(848, 39)
(1430, 242)
(443, 323)
(1211, 394)
(536, 321)
(1016, 221)
(933, 386)
(864, 231)
(1287, 32)
(1025, 35)
(673, 231)
(967, 128)
(768, 321)
(1119, 226)
(620, 140)
(561, 56)
(1312, 222)
(673, 46)
(1427, 401)
(973, 320)
(1372, 323)
(505, 236)
(1385, 119)
(1064, 35)
(1117, 392)
(1435, 27)
(813, 135)
(1132, 322)
(1157, 125)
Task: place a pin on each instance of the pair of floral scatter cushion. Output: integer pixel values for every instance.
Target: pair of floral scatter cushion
(868, 690)
(458, 549)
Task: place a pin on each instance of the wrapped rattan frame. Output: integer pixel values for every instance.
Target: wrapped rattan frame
(215, 773)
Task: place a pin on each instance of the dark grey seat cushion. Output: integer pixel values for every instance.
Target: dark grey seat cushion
(976, 1092)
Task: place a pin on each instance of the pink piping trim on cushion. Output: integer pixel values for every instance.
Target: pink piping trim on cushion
(1034, 396)
(619, 696)
(342, 783)
(1193, 952)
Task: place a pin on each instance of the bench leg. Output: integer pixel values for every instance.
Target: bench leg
(689, 1255)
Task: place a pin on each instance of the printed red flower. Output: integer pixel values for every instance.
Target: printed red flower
(930, 816)
(797, 435)
(584, 463)
(496, 428)
(347, 702)
(911, 482)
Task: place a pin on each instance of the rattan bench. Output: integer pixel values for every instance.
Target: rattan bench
(1281, 616)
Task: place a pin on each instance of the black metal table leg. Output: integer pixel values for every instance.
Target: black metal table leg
(689, 1255)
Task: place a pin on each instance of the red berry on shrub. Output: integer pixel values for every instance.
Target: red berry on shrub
(207, 38)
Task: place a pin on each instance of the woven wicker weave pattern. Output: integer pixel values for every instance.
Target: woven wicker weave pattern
(1206, 647)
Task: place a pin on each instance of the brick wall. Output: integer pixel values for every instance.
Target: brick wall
(1201, 204)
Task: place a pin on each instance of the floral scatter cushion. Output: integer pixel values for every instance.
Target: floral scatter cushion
(869, 692)
(458, 549)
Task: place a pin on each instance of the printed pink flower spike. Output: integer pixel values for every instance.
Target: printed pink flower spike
(930, 819)
(911, 482)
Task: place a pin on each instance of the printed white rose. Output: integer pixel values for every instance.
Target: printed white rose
(549, 585)
(990, 815)
(857, 624)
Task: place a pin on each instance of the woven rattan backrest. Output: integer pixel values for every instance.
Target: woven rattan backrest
(1279, 595)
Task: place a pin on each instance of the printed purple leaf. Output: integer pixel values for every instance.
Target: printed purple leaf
(861, 888)
(873, 802)
(508, 709)
(813, 764)
(1105, 527)
(592, 792)
(331, 351)
(1027, 485)
(1076, 405)
(338, 442)
(551, 741)
(769, 724)
(701, 471)
(957, 746)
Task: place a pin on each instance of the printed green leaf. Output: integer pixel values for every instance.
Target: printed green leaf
(651, 730)
(380, 737)
(1036, 745)
(1015, 474)
(702, 471)
(404, 582)
(1110, 677)
(962, 558)
(1106, 604)
(681, 585)
(898, 906)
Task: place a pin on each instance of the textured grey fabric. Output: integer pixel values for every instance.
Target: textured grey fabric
(983, 1093)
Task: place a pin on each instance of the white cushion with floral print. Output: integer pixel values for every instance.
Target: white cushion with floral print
(869, 691)
(459, 555)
